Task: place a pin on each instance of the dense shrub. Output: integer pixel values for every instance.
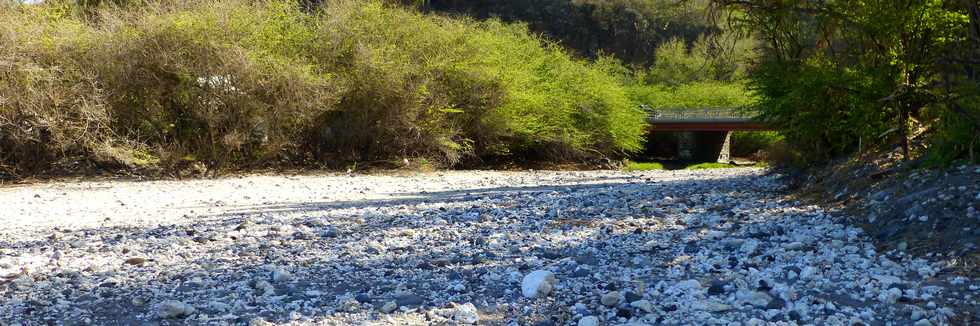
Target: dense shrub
(838, 77)
(698, 95)
(243, 83)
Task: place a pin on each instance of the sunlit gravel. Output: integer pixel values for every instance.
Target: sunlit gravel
(707, 247)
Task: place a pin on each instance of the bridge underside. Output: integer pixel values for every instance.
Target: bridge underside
(697, 142)
(702, 135)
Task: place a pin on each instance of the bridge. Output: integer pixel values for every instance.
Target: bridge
(699, 134)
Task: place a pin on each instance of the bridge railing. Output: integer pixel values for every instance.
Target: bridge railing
(700, 115)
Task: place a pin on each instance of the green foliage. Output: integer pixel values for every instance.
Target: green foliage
(840, 76)
(642, 166)
(700, 95)
(823, 111)
(241, 83)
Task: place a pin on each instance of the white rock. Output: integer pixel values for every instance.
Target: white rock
(466, 314)
(280, 275)
(538, 284)
(174, 309)
(588, 321)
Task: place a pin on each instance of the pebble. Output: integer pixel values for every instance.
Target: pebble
(538, 283)
(923, 322)
(714, 247)
(280, 275)
(466, 314)
(389, 306)
(755, 298)
(610, 299)
(644, 305)
(588, 321)
(174, 309)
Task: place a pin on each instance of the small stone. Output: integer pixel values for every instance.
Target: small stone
(717, 307)
(916, 314)
(754, 298)
(538, 284)
(717, 287)
(23, 283)
(259, 321)
(466, 314)
(643, 305)
(350, 305)
(136, 261)
(174, 309)
(588, 321)
(610, 299)
(923, 322)
(329, 232)
(280, 275)
(689, 285)
(389, 307)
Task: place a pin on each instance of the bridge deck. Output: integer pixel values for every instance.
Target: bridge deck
(709, 119)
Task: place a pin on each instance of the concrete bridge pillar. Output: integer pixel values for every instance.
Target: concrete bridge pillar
(686, 143)
(704, 146)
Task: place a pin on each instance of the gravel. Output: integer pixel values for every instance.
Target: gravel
(468, 247)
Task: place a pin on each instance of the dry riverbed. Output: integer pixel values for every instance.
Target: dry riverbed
(713, 247)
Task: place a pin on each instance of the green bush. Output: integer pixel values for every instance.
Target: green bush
(243, 83)
(699, 95)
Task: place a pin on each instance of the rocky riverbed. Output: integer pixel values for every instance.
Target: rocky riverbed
(708, 247)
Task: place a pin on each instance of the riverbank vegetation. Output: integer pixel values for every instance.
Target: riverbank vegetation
(167, 85)
(240, 84)
(842, 77)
